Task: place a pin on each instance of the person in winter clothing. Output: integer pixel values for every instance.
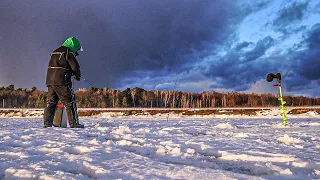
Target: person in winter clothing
(62, 66)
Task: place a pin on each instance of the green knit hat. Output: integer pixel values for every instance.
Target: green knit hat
(72, 43)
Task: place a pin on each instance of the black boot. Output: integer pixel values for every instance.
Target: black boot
(46, 125)
(72, 116)
(49, 114)
(78, 126)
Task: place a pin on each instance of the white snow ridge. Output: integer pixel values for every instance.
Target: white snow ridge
(288, 140)
(155, 148)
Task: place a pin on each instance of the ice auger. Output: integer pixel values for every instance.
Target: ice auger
(277, 76)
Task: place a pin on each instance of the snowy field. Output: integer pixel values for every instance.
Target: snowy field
(154, 148)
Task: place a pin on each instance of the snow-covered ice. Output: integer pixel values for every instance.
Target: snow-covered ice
(155, 148)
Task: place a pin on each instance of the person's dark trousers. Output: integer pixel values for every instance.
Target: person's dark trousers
(64, 93)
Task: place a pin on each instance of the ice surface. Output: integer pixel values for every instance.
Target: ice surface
(155, 148)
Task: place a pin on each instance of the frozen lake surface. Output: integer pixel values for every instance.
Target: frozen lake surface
(154, 148)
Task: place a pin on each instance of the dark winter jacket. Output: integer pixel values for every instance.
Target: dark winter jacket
(62, 66)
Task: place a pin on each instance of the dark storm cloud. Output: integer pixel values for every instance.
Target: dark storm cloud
(120, 38)
(309, 58)
(153, 44)
(294, 82)
(294, 12)
(261, 47)
(239, 68)
(317, 8)
(247, 62)
(302, 71)
(241, 45)
(241, 76)
(290, 15)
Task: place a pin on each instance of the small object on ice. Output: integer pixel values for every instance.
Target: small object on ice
(60, 117)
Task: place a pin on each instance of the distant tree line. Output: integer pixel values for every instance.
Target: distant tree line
(138, 97)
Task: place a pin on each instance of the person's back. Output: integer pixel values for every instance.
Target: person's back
(62, 66)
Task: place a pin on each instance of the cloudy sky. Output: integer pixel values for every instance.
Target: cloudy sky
(187, 45)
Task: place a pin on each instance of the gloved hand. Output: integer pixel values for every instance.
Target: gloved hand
(77, 78)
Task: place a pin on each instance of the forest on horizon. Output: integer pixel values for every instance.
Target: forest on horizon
(138, 97)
